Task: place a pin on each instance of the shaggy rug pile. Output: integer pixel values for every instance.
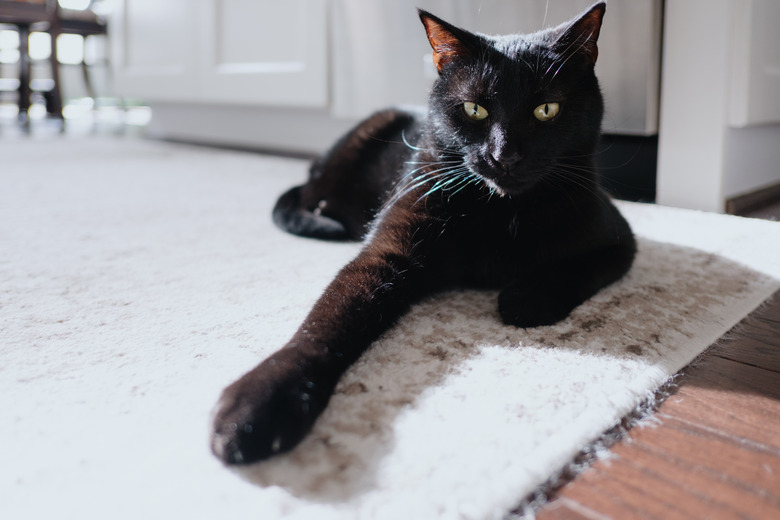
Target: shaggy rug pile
(137, 279)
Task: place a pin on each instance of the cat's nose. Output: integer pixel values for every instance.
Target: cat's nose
(505, 163)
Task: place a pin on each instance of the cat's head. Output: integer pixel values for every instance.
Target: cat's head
(518, 108)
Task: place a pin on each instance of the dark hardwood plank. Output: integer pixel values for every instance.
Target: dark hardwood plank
(623, 490)
(714, 451)
(755, 340)
(644, 483)
(704, 464)
(677, 470)
(731, 399)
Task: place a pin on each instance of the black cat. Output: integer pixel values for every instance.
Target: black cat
(494, 187)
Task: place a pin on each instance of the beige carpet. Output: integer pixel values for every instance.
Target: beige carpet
(139, 278)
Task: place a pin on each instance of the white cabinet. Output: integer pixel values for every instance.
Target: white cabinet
(371, 32)
(303, 70)
(755, 62)
(292, 75)
(152, 56)
(720, 110)
(265, 52)
(258, 52)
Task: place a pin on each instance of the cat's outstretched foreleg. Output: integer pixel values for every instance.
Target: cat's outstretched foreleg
(271, 408)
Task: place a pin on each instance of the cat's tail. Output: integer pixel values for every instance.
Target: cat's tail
(291, 216)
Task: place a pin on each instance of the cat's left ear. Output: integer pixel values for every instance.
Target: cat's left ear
(448, 42)
(581, 35)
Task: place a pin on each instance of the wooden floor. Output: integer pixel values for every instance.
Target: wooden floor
(714, 450)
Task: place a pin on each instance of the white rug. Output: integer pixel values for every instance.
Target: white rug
(137, 279)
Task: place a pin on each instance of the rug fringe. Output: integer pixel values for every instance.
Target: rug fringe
(643, 415)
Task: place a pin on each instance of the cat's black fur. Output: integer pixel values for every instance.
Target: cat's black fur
(443, 200)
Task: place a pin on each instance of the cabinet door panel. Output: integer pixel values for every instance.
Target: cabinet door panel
(265, 52)
(152, 44)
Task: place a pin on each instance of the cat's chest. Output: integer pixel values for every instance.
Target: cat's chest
(489, 245)
(505, 229)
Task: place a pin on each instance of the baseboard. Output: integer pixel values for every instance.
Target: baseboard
(741, 204)
(284, 130)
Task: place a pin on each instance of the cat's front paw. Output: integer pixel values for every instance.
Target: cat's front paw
(524, 306)
(268, 411)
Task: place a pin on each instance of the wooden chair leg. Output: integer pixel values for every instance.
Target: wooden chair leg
(56, 96)
(86, 75)
(24, 72)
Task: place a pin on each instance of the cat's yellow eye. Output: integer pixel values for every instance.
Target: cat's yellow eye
(474, 111)
(546, 111)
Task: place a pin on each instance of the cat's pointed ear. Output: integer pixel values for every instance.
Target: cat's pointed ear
(580, 36)
(447, 41)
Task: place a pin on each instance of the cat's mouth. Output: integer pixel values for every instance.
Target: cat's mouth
(505, 183)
